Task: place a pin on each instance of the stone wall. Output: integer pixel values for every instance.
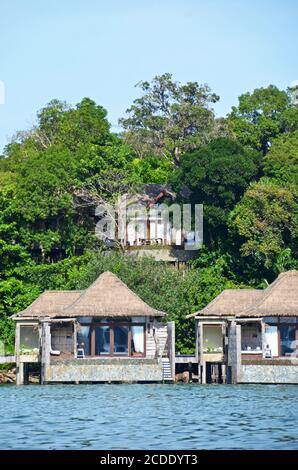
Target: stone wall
(270, 374)
(105, 370)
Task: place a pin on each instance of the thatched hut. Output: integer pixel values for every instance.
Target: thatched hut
(250, 335)
(105, 333)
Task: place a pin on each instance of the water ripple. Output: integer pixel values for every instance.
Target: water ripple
(149, 417)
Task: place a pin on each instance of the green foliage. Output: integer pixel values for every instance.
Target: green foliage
(281, 162)
(152, 169)
(58, 123)
(216, 175)
(60, 275)
(15, 295)
(266, 222)
(261, 116)
(170, 118)
(62, 169)
(12, 254)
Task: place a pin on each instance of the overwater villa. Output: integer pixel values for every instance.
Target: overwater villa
(250, 335)
(105, 333)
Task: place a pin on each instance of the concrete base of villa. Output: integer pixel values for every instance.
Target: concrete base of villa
(250, 372)
(105, 370)
(269, 372)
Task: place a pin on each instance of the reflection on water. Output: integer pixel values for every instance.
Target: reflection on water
(149, 417)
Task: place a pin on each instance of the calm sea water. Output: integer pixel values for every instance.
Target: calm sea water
(149, 417)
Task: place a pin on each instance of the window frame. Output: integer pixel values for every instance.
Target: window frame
(112, 325)
(279, 325)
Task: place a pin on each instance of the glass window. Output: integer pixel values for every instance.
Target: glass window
(62, 337)
(121, 340)
(251, 337)
(29, 339)
(271, 341)
(113, 338)
(138, 319)
(137, 340)
(83, 339)
(84, 320)
(102, 340)
(212, 339)
(287, 340)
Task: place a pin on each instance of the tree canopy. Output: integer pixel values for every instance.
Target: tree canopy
(263, 115)
(216, 175)
(281, 162)
(266, 222)
(170, 118)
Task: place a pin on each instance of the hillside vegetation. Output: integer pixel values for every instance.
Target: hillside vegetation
(243, 168)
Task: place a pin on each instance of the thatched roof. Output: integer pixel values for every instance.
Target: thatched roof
(108, 296)
(278, 299)
(50, 303)
(228, 302)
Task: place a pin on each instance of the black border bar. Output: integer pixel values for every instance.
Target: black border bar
(136, 458)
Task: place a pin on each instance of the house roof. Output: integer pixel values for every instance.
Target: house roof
(49, 303)
(228, 302)
(151, 194)
(155, 192)
(278, 299)
(108, 296)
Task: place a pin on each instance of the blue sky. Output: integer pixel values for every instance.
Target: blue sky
(68, 49)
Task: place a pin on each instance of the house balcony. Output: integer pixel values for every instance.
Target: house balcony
(162, 250)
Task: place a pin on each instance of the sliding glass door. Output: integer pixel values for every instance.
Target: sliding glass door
(288, 342)
(117, 339)
(137, 340)
(101, 340)
(120, 333)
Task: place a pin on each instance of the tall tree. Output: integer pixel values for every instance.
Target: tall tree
(170, 118)
(281, 161)
(263, 115)
(265, 223)
(216, 175)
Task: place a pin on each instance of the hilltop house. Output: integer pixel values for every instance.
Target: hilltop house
(149, 229)
(250, 335)
(105, 333)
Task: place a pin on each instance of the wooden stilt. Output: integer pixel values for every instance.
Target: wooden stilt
(45, 351)
(203, 373)
(26, 373)
(223, 374)
(20, 373)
